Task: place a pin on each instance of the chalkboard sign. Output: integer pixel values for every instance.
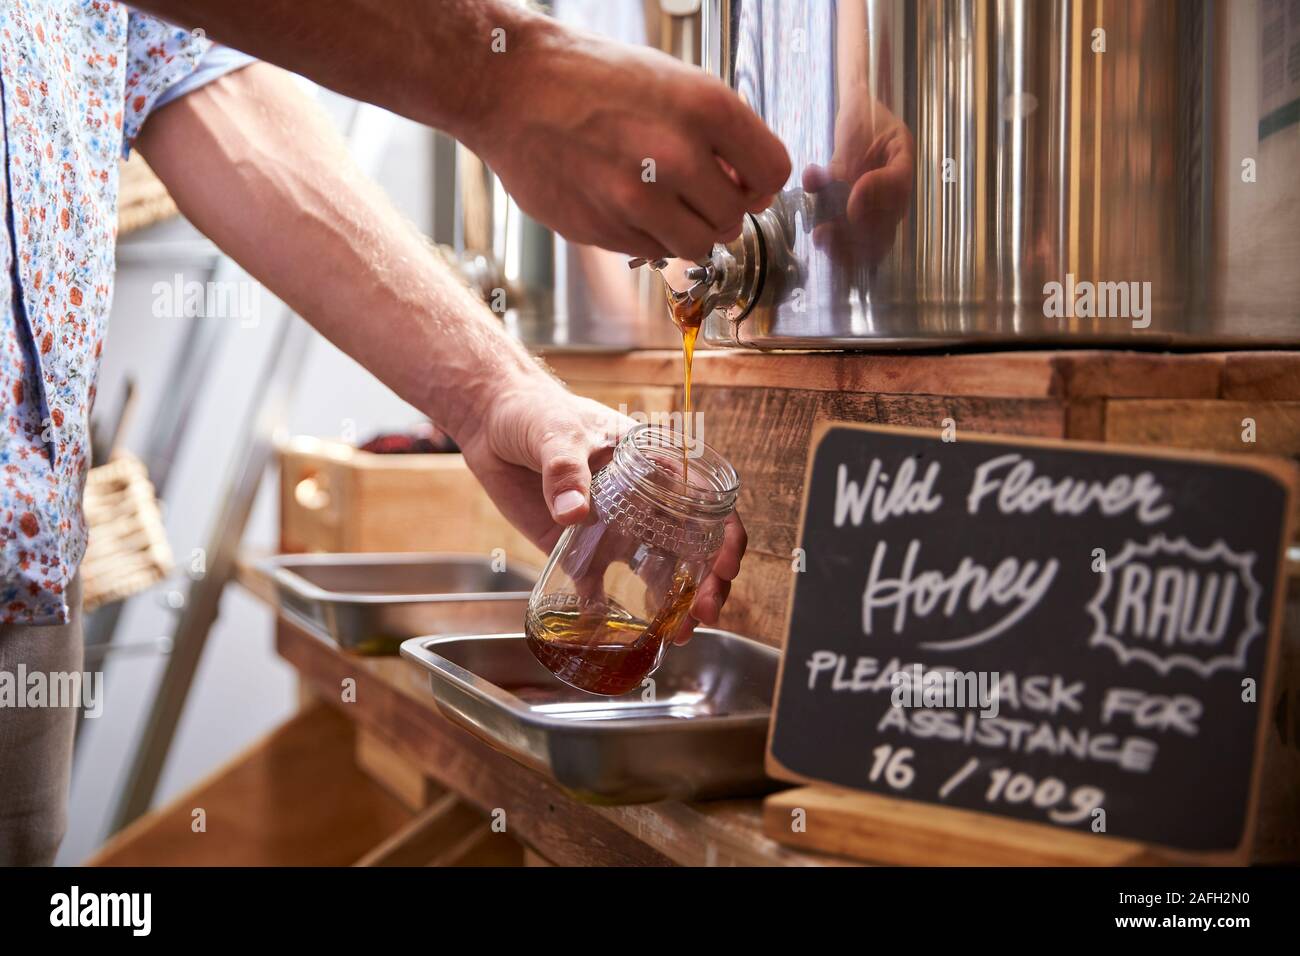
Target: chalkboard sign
(1067, 634)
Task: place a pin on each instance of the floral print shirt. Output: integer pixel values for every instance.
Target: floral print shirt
(78, 78)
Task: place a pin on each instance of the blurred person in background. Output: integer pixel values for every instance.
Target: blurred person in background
(259, 169)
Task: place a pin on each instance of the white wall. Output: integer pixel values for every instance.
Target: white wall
(242, 688)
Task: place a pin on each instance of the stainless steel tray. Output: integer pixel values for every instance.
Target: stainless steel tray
(702, 735)
(370, 603)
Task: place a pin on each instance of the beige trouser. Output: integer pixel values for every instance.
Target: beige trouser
(36, 742)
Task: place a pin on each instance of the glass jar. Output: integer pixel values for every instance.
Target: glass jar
(619, 584)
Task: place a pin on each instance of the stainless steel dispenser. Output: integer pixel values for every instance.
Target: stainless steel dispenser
(995, 171)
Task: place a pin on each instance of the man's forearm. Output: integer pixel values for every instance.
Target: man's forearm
(430, 60)
(263, 173)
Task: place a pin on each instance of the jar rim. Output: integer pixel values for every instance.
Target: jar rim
(647, 452)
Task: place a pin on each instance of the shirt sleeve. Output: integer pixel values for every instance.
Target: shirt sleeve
(163, 63)
(216, 63)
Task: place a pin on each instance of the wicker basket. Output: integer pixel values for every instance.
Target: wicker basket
(127, 550)
(141, 199)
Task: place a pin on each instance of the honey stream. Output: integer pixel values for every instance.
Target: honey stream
(687, 315)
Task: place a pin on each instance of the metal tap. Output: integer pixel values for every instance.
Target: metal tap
(760, 261)
(701, 276)
(728, 280)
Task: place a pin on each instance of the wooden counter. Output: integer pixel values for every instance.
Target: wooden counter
(377, 776)
(394, 704)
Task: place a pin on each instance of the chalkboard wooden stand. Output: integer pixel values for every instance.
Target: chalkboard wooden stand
(879, 829)
(838, 814)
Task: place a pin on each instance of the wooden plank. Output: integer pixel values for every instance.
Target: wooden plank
(1261, 376)
(882, 830)
(483, 846)
(1085, 419)
(644, 366)
(1207, 425)
(1061, 374)
(760, 597)
(295, 798)
(985, 375)
(764, 433)
(449, 832)
(733, 835)
(1113, 374)
(632, 399)
(395, 774)
(444, 822)
(989, 416)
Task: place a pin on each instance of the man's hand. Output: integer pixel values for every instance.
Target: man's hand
(623, 147)
(566, 119)
(534, 449)
(533, 446)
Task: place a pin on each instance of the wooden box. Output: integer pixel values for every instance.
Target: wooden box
(334, 497)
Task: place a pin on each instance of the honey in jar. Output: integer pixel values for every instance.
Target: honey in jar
(603, 648)
(619, 585)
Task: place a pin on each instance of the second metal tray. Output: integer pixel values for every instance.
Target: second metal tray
(370, 603)
(703, 733)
